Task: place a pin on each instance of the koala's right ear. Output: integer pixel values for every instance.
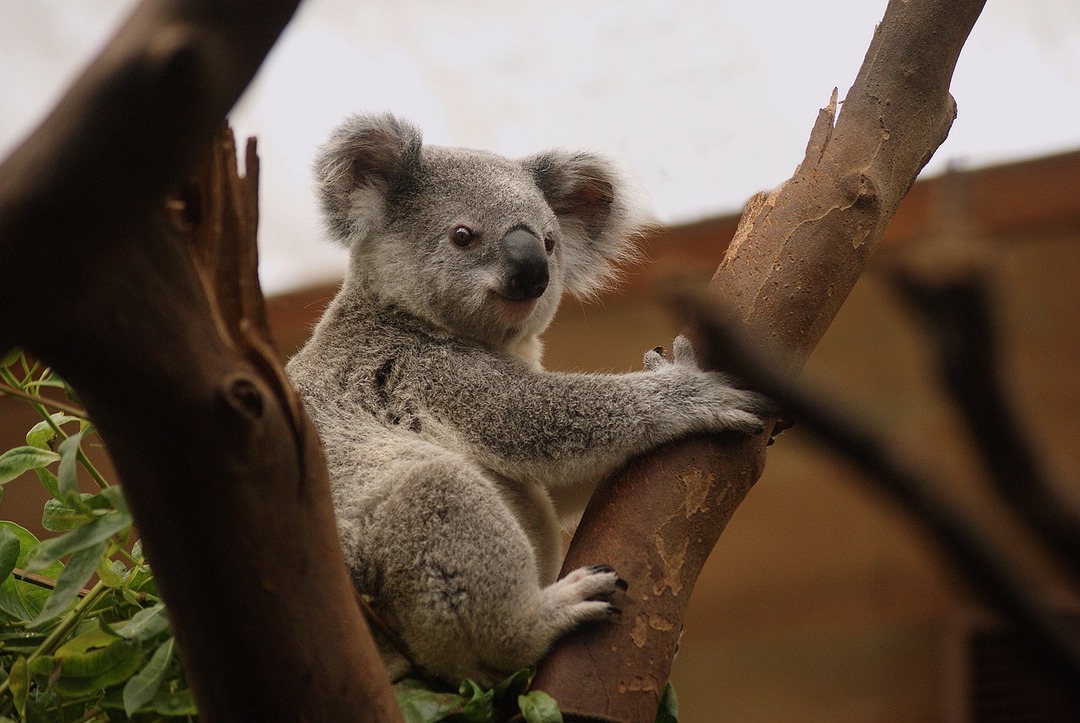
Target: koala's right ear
(367, 158)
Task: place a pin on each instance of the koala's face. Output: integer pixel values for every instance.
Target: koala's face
(471, 245)
(480, 245)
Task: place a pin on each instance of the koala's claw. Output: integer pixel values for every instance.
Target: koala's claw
(622, 584)
(683, 351)
(654, 359)
(595, 582)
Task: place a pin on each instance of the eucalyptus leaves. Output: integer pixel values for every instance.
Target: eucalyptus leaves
(68, 652)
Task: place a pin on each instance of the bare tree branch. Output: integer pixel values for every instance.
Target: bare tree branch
(793, 261)
(957, 314)
(157, 320)
(970, 553)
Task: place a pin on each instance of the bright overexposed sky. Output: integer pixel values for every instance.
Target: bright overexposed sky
(706, 101)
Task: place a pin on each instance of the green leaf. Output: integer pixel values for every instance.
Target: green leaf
(476, 702)
(48, 481)
(65, 472)
(180, 703)
(116, 663)
(144, 685)
(421, 705)
(43, 665)
(42, 433)
(19, 684)
(169, 701)
(78, 571)
(668, 712)
(514, 685)
(9, 552)
(10, 357)
(86, 536)
(18, 599)
(111, 572)
(59, 516)
(539, 707)
(23, 459)
(146, 624)
(110, 498)
(91, 653)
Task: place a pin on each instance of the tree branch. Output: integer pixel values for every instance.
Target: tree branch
(956, 312)
(961, 544)
(795, 257)
(157, 320)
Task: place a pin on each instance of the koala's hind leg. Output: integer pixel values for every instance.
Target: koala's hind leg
(458, 579)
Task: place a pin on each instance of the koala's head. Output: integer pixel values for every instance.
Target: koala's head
(479, 245)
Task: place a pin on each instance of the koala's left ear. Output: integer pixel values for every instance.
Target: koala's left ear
(600, 214)
(366, 158)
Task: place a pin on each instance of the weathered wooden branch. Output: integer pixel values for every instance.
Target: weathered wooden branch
(795, 257)
(156, 318)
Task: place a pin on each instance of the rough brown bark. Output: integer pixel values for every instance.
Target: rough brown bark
(157, 320)
(795, 257)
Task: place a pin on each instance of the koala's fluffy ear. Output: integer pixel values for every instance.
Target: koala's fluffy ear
(600, 213)
(367, 158)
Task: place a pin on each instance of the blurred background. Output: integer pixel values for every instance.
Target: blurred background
(706, 101)
(820, 603)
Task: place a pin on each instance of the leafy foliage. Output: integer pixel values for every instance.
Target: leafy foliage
(68, 652)
(424, 701)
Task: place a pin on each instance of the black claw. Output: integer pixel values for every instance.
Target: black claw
(601, 568)
(615, 612)
(622, 584)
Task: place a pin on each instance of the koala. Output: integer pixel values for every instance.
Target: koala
(454, 457)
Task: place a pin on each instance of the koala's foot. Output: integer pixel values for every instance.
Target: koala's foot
(583, 595)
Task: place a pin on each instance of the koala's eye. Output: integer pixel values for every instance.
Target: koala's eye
(549, 243)
(462, 236)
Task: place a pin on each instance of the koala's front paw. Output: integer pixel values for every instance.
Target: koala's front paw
(584, 594)
(735, 409)
(682, 353)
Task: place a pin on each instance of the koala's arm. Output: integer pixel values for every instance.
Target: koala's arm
(564, 429)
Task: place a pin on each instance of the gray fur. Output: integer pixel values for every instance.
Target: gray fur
(453, 456)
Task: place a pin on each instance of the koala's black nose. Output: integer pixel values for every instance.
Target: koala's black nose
(527, 266)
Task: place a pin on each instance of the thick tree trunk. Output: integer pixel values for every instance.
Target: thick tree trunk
(157, 320)
(795, 257)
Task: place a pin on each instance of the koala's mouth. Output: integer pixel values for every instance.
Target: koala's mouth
(513, 309)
